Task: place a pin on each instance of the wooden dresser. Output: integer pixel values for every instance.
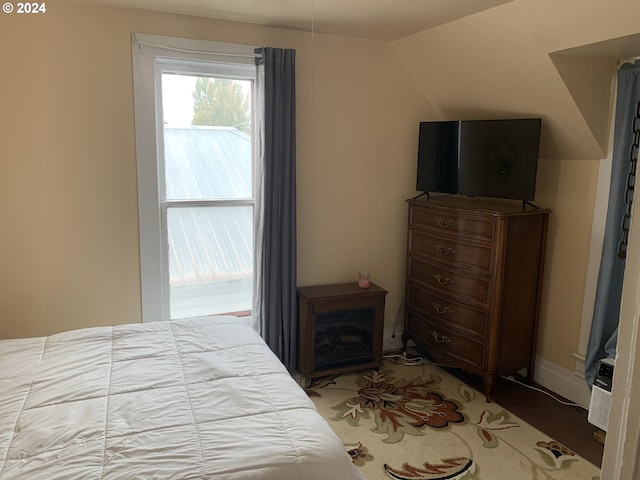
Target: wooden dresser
(474, 281)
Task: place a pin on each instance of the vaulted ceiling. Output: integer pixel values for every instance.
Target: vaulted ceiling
(477, 58)
(384, 20)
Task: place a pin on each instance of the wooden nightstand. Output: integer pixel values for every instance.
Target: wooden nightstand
(340, 328)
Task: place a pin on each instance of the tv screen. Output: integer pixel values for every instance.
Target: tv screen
(488, 158)
(499, 158)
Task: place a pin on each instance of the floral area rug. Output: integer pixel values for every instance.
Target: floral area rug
(420, 423)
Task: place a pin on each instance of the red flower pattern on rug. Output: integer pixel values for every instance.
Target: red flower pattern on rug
(400, 407)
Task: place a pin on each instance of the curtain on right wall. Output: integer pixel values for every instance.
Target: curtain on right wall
(604, 328)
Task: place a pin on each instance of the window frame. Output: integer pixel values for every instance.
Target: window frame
(152, 56)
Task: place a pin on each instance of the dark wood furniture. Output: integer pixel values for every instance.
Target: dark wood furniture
(474, 282)
(340, 328)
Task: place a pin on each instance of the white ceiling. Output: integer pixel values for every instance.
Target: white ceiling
(383, 20)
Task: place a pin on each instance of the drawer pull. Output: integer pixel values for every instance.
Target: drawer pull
(439, 338)
(443, 280)
(440, 357)
(441, 309)
(445, 250)
(443, 222)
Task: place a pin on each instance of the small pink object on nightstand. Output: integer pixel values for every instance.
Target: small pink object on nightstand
(363, 279)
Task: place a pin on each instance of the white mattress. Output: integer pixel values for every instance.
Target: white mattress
(189, 399)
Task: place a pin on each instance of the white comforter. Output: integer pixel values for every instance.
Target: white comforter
(192, 399)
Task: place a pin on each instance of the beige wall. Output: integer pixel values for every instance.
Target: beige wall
(568, 188)
(358, 167)
(69, 252)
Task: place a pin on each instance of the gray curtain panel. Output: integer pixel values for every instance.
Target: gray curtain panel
(275, 300)
(604, 328)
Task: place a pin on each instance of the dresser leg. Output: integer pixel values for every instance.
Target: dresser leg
(489, 381)
(530, 373)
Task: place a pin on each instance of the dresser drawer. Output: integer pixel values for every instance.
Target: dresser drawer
(448, 311)
(450, 282)
(453, 222)
(451, 251)
(446, 340)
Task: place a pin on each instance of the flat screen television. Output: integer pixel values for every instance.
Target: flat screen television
(487, 158)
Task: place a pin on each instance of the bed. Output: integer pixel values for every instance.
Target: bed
(200, 398)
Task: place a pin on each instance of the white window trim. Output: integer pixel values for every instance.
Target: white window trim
(149, 53)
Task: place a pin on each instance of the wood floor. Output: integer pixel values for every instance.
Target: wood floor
(566, 424)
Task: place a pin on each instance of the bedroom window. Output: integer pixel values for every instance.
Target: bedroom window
(194, 122)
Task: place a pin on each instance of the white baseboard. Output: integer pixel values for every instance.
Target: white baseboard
(562, 381)
(580, 364)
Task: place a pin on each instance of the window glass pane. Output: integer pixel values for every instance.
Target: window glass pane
(210, 259)
(207, 137)
(208, 157)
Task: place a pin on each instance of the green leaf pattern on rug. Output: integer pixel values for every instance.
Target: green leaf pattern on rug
(490, 422)
(467, 393)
